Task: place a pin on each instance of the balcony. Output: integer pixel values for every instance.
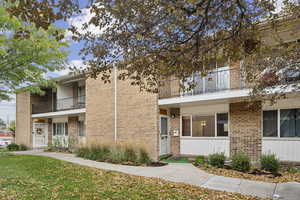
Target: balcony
(69, 103)
(217, 80)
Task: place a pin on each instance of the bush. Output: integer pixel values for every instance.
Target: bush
(217, 160)
(241, 162)
(13, 147)
(269, 163)
(130, 155)
(144, 157)
(23, 147)
(200, 160)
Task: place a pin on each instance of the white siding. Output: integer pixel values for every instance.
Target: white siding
(205, 109)
(204, 146)
(285, 149)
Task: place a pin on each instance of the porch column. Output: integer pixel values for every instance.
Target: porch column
(245, 129)
(73, 132)
(50, 132)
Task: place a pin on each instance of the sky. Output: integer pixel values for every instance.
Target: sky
(7, 109)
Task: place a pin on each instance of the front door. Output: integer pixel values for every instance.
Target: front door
(40, 135)
(164, 136)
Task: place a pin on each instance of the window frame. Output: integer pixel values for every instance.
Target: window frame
(278, 124)
(83, 128)
(65, 129)
(205, 137)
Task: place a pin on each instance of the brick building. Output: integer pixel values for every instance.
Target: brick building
(215, 116)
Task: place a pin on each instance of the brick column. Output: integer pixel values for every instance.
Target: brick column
(50, 132)
(235, 75)
(73, 132)
(175, 140)
(245, 129)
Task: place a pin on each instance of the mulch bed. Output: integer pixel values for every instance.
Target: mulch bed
(255, 174)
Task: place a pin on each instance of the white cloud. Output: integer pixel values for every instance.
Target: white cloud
(80, 20)
(73, 63)
(279, 5)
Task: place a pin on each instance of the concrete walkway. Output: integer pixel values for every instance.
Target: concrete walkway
(187, 173)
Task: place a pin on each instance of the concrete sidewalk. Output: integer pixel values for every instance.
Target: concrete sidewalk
(187, 173)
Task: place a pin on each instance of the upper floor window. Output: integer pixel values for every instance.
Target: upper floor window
(81, 94)
(214, 80)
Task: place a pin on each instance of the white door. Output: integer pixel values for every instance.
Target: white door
(40, 135)
(164, 136)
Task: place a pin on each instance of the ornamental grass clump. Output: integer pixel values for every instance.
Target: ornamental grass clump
(241, 162)
(217, 160)
(130, 155)
(115, 154)
(270, 163)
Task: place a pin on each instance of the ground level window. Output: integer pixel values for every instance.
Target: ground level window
(290, 123)
(270, 123)
(60, 129)
(186, 126)
(81, 126)
(203, 126)
(222, 124)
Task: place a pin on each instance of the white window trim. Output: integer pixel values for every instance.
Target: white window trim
(191, 127)
(278, 126)
(64, 129)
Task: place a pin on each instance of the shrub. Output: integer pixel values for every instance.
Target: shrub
(13, 147)
(241, 162)
(200, 160)
(217, 160)
(23, 147)
(269, 163)
(144, 157)
(116, 155)
(130, 155)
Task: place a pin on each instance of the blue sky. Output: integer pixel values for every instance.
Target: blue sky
(8, 108)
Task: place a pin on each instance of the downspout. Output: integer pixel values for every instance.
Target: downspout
(115, 88)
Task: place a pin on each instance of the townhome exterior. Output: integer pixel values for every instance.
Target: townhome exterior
(214, 116)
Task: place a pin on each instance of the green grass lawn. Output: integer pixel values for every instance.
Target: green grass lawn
(36, 178)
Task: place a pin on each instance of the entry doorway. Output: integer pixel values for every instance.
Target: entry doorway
(40, 135)
(164, 135)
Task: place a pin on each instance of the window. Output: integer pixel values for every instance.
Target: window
(222, 124)
(81, 94)
(270, 123)
(203, 126)
(186, 126)
(60, 129)
(290, 123)
(81, 126)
